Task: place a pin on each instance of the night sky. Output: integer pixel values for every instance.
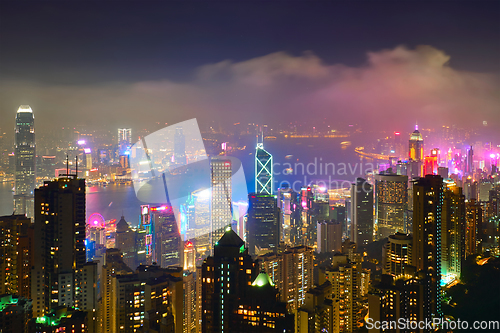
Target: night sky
(382, 63)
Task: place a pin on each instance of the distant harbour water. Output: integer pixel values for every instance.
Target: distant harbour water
(114, 200)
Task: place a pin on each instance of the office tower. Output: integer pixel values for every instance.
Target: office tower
(426, 248)
(320, 313)
(189, 257)
(16, 255)
(189, 301)
(166, 239)
(416, 146)
(338, 213)
(452, 233)
(124, 135)
(286, 202)
(361, 212)
(469, 162)
(396, 254)
(15, 313)
(345, 278)
(25, 161)
(391, 203)
(59, 246)
(125, 242)
(113, 266)
(226, 278)
(260, 310)
(329, 236)
(473, 228)
(240, 218)
(272, 265)
(399, 147)
(263, 169)
(430, 165)
(298, 263)
(394, 299)
(221, 201)
(86, 294)
(443, 172)
(485, 186)
(179, 147)
(202, 230)
(263, 223)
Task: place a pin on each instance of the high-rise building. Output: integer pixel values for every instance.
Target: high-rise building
(320, 313)
(263, 223)
(25, 161)
(426, 248)
(125, 241)
(59, 246)
(124, 135)
(226, 277)
(16, 255)
(396, 254)
(344, 277)
(452, 232)
(287, 204)
(329, 236)
(189, 301)
(221, 201)
(263, 169)
(416, 146)
(361, 212)
(391, 203)
(298, 264)
(469, 162)
(473, 228)
(167, 241)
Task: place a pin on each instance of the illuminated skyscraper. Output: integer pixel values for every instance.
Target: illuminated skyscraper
(453, 232)
(263, 169)
(59, 243)
(396, 254)
(226, 277)
(426, 249)
(263, 226)
(416, 148)
(124, 135)
(25, 156)
(362, 212)
(473, 229)
(391, 202)
(329, 236)
(16, 255)
(221, 202)
(298, 263)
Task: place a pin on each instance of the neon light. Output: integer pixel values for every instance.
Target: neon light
(81, 142)
(87, 150)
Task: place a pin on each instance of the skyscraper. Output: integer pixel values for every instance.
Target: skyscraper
(453, 232)
(426, 249)
(298, 263)
(391, 202)
(226, 278)
(473, 229)
(362, 212)
(329, 236)
(124, 135)
(59, 245)
(263, 223)
(263, 169)
(221, 201)
(25, 161)
(416, 146)
(396, 254)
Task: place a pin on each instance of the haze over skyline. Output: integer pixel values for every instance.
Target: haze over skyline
(375, 64)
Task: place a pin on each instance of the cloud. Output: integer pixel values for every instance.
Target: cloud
(394, 88)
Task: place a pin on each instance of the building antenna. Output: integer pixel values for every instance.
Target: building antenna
(76, 173)
(67, 166)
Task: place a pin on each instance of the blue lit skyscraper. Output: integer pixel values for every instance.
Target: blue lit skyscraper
(263, 169)
(25, 177)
